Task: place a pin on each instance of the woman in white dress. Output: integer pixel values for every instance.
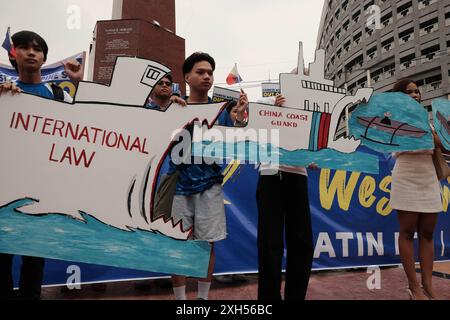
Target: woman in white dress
(416, 196)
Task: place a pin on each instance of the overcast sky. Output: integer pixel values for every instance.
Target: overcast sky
(261, 36)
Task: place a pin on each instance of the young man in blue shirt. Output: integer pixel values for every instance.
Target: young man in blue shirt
(198, 200)
(30, 53)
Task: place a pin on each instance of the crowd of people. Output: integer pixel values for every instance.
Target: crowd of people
(193, 193)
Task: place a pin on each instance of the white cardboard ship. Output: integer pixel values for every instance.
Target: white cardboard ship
(118, 187)
(314, 115)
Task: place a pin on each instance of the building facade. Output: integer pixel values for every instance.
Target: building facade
(376, 42)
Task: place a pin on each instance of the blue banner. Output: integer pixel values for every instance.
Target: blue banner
(52, 73)
(353, 225)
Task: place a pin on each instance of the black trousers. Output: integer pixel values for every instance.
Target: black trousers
(283, 205)
(31, 276)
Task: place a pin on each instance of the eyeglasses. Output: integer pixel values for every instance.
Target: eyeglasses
(167, 83)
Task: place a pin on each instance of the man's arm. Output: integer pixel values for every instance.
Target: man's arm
(74, 71)
(242, 106)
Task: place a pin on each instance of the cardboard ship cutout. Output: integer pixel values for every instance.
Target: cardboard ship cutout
(441, 116)
(311, 125)
(392, 122)
(92, 166)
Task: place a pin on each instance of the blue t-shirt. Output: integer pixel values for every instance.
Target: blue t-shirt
(152, 106)
(39, 89)
(195, 178)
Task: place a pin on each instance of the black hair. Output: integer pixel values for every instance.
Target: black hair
(25, 38)
(189, 63)
(401, 85)
(168, 76)
(231, 105)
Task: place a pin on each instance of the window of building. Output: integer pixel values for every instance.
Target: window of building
(447, 18)
(369, 32)
(368, 4)
(389, 71)
(337, 14)
(387, 45)
(346, 24)
(425, 3)
(356, 63)
(372, 53)
(404, 10)
(429, 26)
(406, 35)
(387, 19)
(352, 88)
(408, 61)
(344, 5)
(377, 75)
(430, 53)
(357, 38)
(430, 84)
(355, 16)
(347, 45)
(362, 83)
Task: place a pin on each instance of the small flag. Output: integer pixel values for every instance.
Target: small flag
(234, 76)
(7, 43)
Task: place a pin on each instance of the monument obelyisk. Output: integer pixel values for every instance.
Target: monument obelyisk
(142, 28)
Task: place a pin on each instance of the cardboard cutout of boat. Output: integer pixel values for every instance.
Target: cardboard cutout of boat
(445, 124)
(393, 127)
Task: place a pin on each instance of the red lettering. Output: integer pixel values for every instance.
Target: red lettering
(12, 120)
(59, 127)
(288, 124)
(266, 113)
(83, 157)
(50, 158)
(126, 144)
(67, 155)
(47, 122)
(111, 145)
(84, 134)
(302, 117)
(73, 134)
(24, 122)
(96, 131)
(143, 147)
(136, 144)
(36, 120)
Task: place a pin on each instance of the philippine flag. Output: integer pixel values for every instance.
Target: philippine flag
(7, 43)
(234, 76)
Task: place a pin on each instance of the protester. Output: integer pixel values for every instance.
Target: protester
(162, 95)
(283, 209)
(198, 200)
(29, 54)
(416, 196)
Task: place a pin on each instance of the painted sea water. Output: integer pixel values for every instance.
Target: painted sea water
(441, 116)
(62, 237)
(407, 117)
(254, 153)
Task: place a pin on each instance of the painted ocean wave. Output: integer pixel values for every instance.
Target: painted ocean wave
(62, 237)
(252, 153)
